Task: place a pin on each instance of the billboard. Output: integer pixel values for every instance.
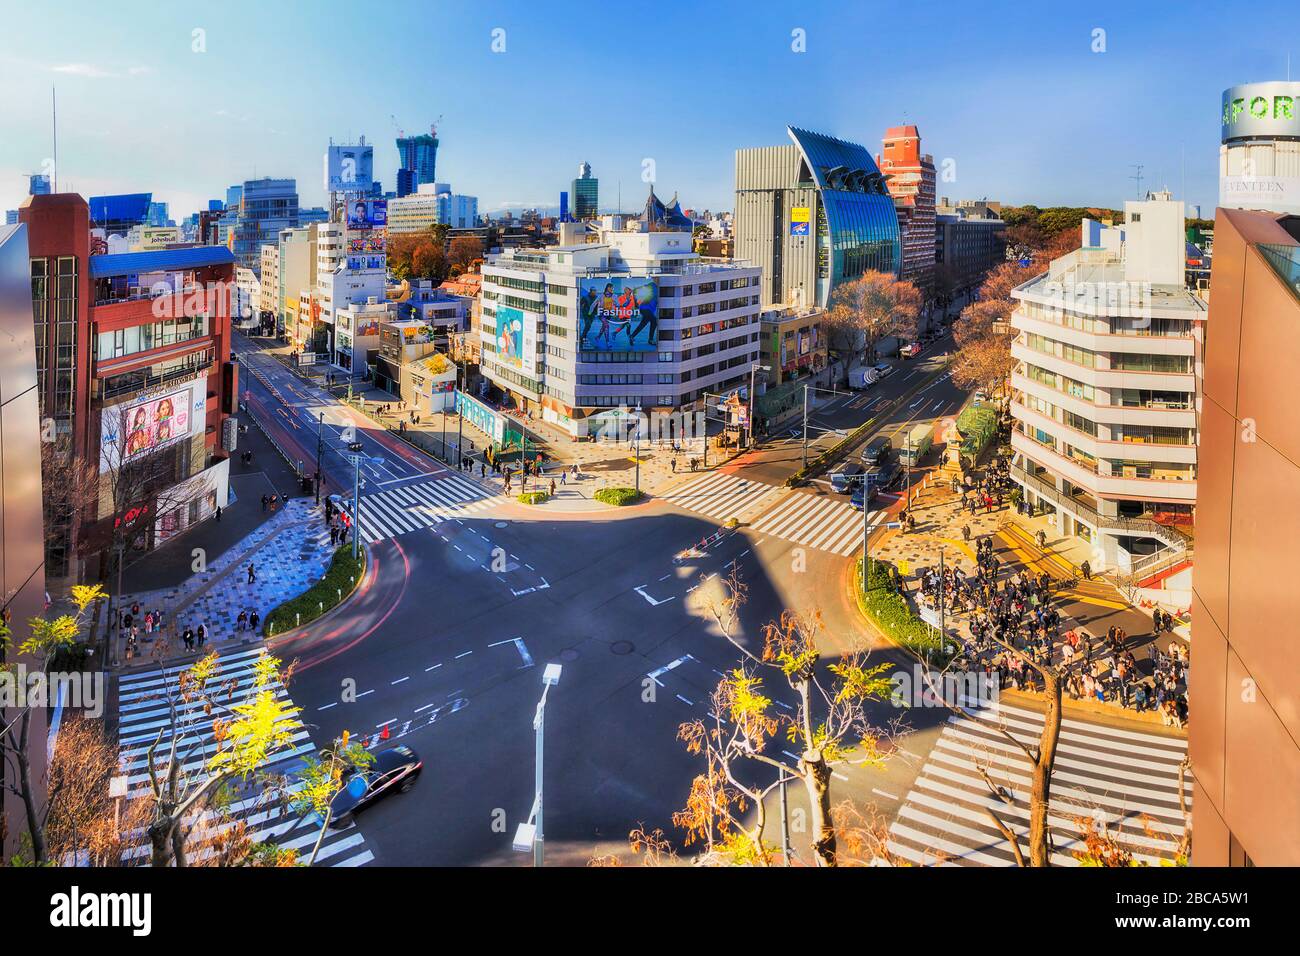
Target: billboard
(367, 213)
(1260, 110)
(510, 336)
(150, 424)
(618, 314)
(800, 220)
(376, 240)
(349, 169)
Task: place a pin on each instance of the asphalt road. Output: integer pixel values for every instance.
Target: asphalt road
(445, 648)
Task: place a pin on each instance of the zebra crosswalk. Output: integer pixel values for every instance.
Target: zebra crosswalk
(423, 504)
(143, 713)
(721, 496)
(1126, 781)
(828, 524)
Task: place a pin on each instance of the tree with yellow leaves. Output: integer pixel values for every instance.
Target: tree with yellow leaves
(50, 640)
(249, 733)
(828, 724)
(322, 778)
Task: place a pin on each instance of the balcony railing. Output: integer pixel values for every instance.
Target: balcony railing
(1142, 527)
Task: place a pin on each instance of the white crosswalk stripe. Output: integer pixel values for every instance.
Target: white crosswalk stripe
(407, 508)
(828, 524)
(143, 713)
(1126, 779)
(722, 496)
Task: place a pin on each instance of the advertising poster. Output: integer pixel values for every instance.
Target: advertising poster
(364, 214)
(618, 314)
(349, 169)
(149, 425)
(373, 241)
(510, 336)
(800, 221)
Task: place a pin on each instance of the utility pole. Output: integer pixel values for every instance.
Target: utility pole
(805, 436)
(636, 455)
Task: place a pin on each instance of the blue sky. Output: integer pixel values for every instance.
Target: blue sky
(1011, 92)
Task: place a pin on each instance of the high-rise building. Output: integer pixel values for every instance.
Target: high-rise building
(22, 572)
(1245, 679)
(910, 179)
(158, 215)
(967, 245)
(1105, 388)
(266, 206)
(406, 183)
(692, 326)
(143, 336)
(1259, 152)
(418, 155)
(585, 193)
(812, 215)
(233, 195)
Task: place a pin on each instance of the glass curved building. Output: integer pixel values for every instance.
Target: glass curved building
(812, 215)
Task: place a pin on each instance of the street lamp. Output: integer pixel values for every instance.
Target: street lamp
(636, 455)
(320, 424)
(752, 369)
(356, 458)
(529, 835)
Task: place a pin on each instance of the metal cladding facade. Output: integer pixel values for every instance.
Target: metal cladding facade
(1245, 678)
(813, 215)
(22, 534)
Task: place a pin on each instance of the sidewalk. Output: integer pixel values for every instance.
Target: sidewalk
(289, 551)
(1091, 606)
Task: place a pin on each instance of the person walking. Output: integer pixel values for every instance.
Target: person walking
(265, 501)
(252, 574)
(552, 487)
(188, 638)
(564, 474)
(253, 620)
(201, 635)
(217, 514)
(1086, 568)
(241, 621)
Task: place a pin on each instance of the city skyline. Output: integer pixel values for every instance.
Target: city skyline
(216, 120)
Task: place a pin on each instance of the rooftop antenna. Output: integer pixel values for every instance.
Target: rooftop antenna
(1138, 177)
(54, 112)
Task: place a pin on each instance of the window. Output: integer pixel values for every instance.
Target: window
(665, 356)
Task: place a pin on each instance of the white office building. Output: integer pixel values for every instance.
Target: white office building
(702, 338)
(1106, 387)
(344, 280)
(432, 203)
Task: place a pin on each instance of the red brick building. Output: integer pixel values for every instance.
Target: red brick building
(911, 181)
(141, 338)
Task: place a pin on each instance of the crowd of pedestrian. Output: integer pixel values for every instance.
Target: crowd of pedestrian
(995, 608)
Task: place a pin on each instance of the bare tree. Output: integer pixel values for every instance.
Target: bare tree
(871, 307)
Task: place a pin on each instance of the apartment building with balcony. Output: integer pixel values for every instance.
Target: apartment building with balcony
(142, 336)
(1106, 388)
(707, 337)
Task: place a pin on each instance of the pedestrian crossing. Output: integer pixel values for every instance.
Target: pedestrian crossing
(413, 507)
(828, 524)
(143, 713)
(722, 496)
(1126, 780)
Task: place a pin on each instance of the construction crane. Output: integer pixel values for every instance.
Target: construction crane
(433, 127)
(396, 126)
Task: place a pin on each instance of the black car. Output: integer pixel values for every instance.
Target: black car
(393, 770)
(885, 475)
(877, 450)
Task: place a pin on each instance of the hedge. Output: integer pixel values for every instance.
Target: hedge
(617, 496)
(533, 497)
(342, 576)
(891, 612)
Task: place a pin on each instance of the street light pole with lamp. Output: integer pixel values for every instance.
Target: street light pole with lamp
(530, 834)
(752, 369)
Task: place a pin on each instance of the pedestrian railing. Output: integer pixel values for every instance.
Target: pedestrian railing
(1134, 526)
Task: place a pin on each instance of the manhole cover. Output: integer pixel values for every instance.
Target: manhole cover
(622, 647)
(503, 524)
(569, 655)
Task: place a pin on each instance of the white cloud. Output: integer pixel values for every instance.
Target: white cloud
(82, 69)
(140, 70)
